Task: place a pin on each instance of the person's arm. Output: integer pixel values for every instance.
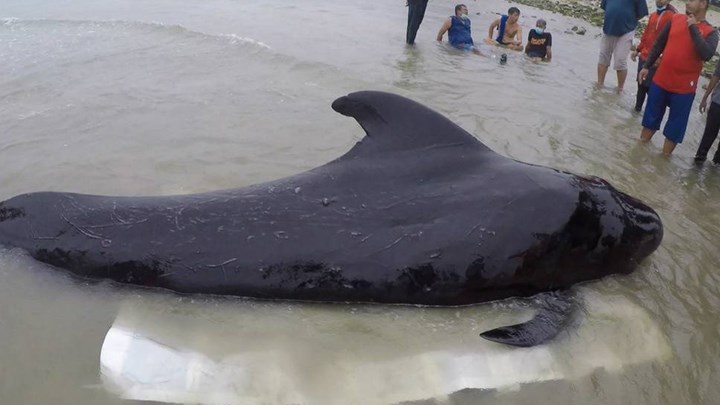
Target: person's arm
(492, 28)
(518, 35)
(445, 27)
(710, 87)
(713, 82)
(527, 45)
(655, 52)
(659, 45)
(704, 47)
(644, 41)
(548, 52)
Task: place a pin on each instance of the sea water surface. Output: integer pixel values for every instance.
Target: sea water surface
(160, 97)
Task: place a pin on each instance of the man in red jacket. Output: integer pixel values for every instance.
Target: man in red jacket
(656, 22)
(684, 43)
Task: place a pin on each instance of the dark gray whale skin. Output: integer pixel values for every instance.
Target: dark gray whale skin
(418, 212)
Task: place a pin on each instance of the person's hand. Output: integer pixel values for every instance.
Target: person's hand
(643, 75)
(691, 20)
(703, 105)
(633, 56)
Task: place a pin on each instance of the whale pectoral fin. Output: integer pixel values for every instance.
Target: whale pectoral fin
(555, 312)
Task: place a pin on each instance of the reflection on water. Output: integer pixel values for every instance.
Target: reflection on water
(409, 68)
(180, 97)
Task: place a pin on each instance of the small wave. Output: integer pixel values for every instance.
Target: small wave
(151, 25)
(10, 20)
(236, 38)
(163, 37)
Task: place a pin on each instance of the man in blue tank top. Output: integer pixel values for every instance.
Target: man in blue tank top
(458, 29)
(509, 31)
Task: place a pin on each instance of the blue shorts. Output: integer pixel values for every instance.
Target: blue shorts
(680, 107)
(536, 55)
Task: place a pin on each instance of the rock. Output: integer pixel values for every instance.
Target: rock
(587, 10)
(581, 31)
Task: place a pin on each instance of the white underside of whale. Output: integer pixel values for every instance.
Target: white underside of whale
(283, 353)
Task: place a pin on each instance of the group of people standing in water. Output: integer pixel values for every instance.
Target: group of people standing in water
(504, 31)
(670, 58)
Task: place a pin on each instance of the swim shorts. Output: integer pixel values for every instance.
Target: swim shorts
(680, 106)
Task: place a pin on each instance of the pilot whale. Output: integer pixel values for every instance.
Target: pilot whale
(417, 212)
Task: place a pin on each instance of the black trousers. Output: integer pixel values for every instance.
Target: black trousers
(416, 12)
(712, 126)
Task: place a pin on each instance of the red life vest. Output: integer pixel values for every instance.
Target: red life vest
(680, 67)
(656, 22)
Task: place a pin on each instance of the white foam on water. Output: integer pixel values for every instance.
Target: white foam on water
(133, 25)
(245, 40)
(10, 20)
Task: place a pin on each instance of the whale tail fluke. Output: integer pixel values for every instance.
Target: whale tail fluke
(555, 312)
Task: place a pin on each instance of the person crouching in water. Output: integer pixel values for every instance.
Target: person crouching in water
(656, 22)
(509, 31)
(685, 43)
(539, 43)
(458, 29)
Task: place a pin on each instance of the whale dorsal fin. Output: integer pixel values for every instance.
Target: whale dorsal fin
(394, 123)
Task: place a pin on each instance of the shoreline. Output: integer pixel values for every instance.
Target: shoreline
(590, 12)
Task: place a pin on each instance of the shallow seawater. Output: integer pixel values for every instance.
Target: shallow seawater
(128, 97)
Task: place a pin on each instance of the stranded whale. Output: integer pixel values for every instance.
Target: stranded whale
(418, 212)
